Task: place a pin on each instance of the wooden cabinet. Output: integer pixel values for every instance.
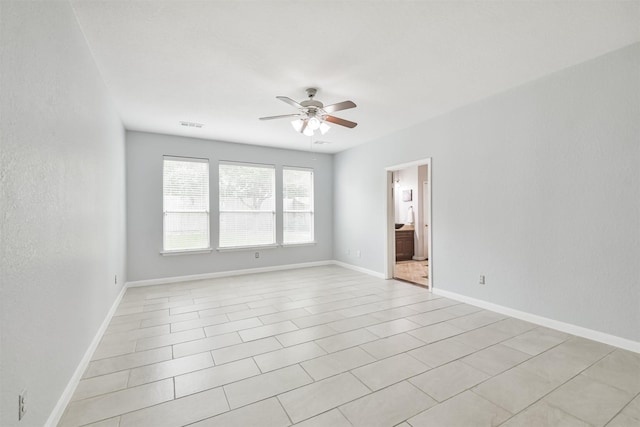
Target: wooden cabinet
(404, 245)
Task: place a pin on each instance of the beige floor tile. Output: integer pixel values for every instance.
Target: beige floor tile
(169, 339)
(206, 344)
(543, 414)
(101, 385)
(353, 323)
(252, 312)
(495, 359)
(589, 400)
(266, 385)
(513, 326)
(385, 372)
(199, 323)
(135, 334)
(317, 319)
(303, 335)
(267, 330)
(266, 413)
(139, 316)
(437, 332)
(395, 344)
(434, 304)
(169, 368)
(393, 314)
(238, 325)
(119, 363)
(178, 412)
(344, 313)
(633, 408)
(111, 422)
(109, 405)
(313, 399)
(248, 349)
(448, 380)
(214, 377)
(441, 352)
(346, 340)
(515, 389)
(431, 317)
(620, 369)
(284, 315)
(109, 349)
(393, 327)
(336, 363)
(476, 320)
(462, 309)
(288, 356)
(387, 407)
(167, 320)
(464, 410)
(536, 341)
(333, 418)
(622, 420)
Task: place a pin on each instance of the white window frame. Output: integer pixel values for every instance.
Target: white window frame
(205, 249)
(310, 211)
(273, 243)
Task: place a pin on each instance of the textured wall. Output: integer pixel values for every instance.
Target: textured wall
(62, 204)
(537, 188)
(144, 154)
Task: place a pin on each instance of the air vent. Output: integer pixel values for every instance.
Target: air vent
(191, 124)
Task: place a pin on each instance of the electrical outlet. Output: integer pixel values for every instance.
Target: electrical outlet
(358, 253)
(257, 255)
(22, 404)
(481, 279)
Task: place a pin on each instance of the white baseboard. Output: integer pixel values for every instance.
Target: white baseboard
(360, 269)
(177, 279)
(545, 321)
(58, 411)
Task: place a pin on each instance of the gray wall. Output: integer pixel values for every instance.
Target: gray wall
(62, 210)
(537, 188)
(144, 152)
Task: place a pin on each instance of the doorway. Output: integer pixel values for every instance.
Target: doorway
(409, 248)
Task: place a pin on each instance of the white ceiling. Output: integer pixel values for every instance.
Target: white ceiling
(222, 63)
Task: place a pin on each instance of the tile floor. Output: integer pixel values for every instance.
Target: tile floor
(413, 271)
(328, 346)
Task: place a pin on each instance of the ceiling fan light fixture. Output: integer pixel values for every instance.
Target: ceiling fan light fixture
(308, 131)
(324, 128)
(314, 123)
(297, 124)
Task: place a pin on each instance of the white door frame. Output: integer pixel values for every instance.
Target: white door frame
(391, 230)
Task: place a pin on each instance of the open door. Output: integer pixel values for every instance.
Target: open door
(409, 207)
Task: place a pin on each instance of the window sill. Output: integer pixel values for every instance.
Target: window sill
(247, 248)
(186, 252)
(290, 245)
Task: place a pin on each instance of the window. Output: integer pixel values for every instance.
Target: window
(247, 205)
(297, 205)
(186, 204)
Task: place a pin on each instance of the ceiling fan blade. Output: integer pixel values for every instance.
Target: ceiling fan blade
(341, 122)
(344, 105)
(284, 116)
(289, 101)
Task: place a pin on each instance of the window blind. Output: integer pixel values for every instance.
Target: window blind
(185, 203)
(297, 199)
(247, 205)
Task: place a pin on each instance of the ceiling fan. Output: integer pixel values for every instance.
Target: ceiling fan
(313, 114)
